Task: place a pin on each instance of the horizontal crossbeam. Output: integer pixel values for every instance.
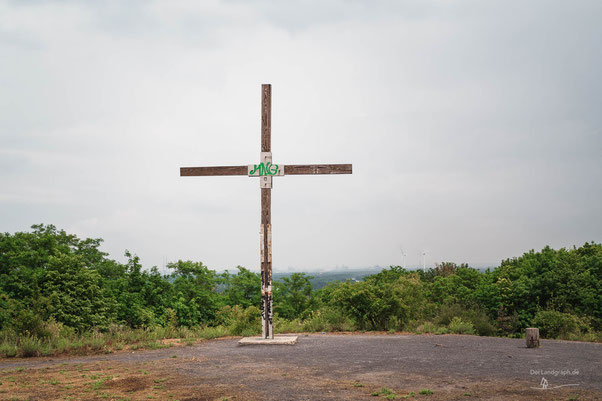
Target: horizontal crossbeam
(299, 169)
(220, 170)
(289, 169)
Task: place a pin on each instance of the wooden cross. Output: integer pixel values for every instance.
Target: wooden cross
(265, 170)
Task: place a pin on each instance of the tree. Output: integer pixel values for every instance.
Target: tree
(293, 297)
(243, 289)
(73, 294)
(194, 285)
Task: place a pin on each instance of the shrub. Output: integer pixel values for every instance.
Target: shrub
(240, 321)
(458, 326)
(379, 304)
(336, 319)
(554, 324)
(448, 312)
(96, 342)
(427, 327)
(287, 326)
(483, 325)
(507, 322)
(479, 320)
(170, 317)
(212, 332)
(8, 350)
(28, 322)
(412, 325)
(315, 322)
(327, 319)
(30, 346)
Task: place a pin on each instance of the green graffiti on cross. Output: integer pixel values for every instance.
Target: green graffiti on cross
(265, 169)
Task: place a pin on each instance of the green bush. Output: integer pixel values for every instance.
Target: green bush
(327, 319)
(239, 321)
(62, 294)
(479, 319)
(380, 303)
(30, 346)
(316, 321)
(483, 325)
(448, 312)
(337, 320)
(212, 332)
(8, 350)
(457, 326)
(29, 322)
(427, 327)
(287, 326)
(554, 324)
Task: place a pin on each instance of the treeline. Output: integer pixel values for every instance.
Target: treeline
(50, 279)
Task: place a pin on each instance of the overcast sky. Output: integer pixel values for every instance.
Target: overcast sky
(474, 127)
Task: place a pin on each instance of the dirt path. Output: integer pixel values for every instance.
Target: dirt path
(320, 367)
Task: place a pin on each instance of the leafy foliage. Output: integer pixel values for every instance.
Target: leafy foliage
(294, 297)
(53, 285)
(241, 289)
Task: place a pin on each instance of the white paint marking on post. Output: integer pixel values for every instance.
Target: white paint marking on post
(261, 243)
(269, 243)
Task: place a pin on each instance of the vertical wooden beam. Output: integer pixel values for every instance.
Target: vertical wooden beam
(267, 329)
(266, 118)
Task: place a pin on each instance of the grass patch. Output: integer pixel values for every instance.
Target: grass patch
(97, 385)
(30, 347)
(115, 338)
(67, 341)
(385, 392)
(425, 391)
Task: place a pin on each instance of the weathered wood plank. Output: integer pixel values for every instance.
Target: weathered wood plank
(217, 170)
(266, 219)
(298, 169)
(266, 118)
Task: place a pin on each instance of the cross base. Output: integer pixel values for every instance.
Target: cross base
(278, 340)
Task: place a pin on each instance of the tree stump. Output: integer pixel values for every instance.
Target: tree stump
(532, 336)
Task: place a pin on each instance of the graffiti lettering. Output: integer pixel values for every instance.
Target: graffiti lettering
(265, 169)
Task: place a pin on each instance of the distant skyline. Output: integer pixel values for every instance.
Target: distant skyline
(474, 128)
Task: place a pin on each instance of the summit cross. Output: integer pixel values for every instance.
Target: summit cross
(266, 170)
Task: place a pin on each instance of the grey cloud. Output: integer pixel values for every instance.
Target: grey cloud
(473, 127)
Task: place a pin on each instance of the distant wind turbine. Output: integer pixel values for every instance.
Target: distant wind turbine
(403, 257)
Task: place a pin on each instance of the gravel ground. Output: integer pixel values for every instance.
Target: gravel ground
(339, 367)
